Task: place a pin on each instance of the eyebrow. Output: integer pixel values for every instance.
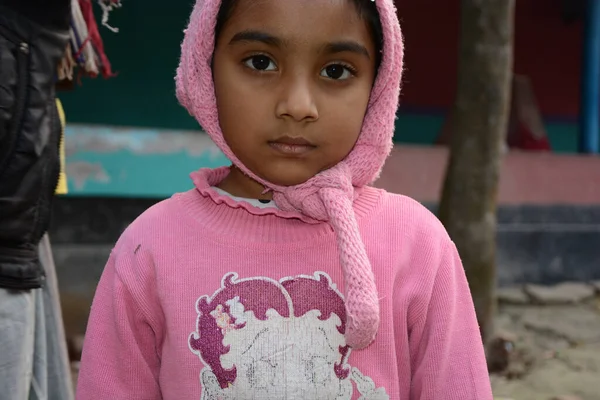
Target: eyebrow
(347, 46)
(256, 36)
(268, 39)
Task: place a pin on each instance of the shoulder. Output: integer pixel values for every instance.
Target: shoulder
(407, 215)
(155, 224)
(410, 236)
(153, 236)
(419, 243)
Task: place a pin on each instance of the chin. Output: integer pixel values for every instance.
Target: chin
(287, 179)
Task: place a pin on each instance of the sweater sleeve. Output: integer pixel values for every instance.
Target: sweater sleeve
(447, 354)
(120, 358)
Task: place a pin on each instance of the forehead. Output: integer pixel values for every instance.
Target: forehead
(300, 20)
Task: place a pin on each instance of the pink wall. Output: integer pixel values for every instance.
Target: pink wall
(526, 178)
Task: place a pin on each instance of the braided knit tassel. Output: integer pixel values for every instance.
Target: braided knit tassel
(362, 302)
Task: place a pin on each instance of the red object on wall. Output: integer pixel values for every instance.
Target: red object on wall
(526, 128)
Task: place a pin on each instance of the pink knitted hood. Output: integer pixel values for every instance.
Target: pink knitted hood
(327, 196)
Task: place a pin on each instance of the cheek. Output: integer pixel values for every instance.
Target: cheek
(241, 111)
(345, 121)
(231, 97)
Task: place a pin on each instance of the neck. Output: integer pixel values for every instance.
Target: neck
(238, 184)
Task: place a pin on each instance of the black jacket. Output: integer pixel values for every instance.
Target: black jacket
(33, 38)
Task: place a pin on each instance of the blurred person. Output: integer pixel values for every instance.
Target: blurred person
(33, 38)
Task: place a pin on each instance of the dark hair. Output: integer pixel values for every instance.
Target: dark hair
(366, 9)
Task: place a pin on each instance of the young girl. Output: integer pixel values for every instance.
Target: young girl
(286, 276)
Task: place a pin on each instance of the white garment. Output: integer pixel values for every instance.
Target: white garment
(255, 202)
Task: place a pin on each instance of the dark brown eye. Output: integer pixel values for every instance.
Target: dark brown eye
(336, 72)
(260, 63)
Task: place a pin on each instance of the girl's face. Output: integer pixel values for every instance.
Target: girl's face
(292, 81)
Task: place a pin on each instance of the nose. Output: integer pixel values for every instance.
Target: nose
(297, 100)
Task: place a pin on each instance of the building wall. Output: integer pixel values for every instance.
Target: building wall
(546, 49)
(145, 54)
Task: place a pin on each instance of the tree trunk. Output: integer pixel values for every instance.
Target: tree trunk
(478, 124)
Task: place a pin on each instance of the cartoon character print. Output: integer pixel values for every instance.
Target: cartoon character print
(263, 339)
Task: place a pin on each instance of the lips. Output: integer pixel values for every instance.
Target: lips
(292, 145)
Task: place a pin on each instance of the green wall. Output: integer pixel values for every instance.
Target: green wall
(145, 54)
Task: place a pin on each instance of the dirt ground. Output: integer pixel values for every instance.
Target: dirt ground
(556, 351)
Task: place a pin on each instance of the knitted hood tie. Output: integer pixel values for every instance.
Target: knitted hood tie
(328, 196)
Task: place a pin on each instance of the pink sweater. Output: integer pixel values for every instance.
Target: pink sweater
(207, 298)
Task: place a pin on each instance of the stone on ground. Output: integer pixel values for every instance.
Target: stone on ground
(563, 293)
(512, 295)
